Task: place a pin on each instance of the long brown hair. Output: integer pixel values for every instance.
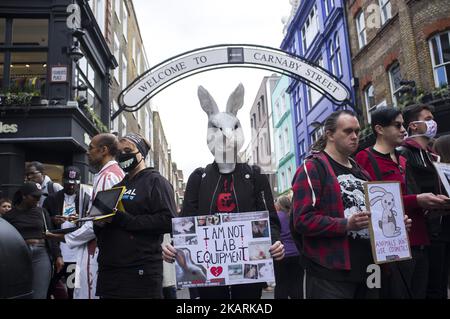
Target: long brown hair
(329, 125)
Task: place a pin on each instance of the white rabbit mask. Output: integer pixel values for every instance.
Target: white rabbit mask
(225, 136)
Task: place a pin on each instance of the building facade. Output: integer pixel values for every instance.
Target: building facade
(283, 135)
(261, 143)
(161, 148)
(317, 32)
(401, 46)
(54, 81)
(125, 41)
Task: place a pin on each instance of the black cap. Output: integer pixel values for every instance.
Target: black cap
(31, 188)
(72, 175)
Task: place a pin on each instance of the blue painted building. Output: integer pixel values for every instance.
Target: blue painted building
(283, 135)
(318, 32)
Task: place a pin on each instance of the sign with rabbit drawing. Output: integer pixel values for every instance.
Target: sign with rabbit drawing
(222, 249)
(388, 234)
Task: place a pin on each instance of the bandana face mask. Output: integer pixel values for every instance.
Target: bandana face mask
(431, 129)
(128, 161)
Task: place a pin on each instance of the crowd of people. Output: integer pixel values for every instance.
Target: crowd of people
(320, 234)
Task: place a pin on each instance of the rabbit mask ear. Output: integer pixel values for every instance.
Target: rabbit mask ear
(236, 100)
(207, 102)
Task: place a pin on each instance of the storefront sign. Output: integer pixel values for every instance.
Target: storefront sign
(8, 128)
(58, 74)
(190, 63)
(223, 249)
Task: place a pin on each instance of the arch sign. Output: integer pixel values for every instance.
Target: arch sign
(189, 63)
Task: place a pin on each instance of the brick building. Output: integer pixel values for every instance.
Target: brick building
(393, 42)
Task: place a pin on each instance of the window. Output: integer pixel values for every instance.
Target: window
(313, 97)
(134, 51)
(283, 103)
(259, 111)
(277, 108)
(124, 72)
(361, 29)
(86, 73)
(98, 8)
(327, 9)
(289, 176)
(286, 138)
(138, 61)
(283, 181)
(125, 21)
(395, 77)
(385, 10)
(335, 56)
(440, 57)
(124, 125)
(23, 54)
(117, 5)
(282, 148)
(310, 28)
(369, 98)
(301, 149)
(297, 104)
(115, 122)
(117, 56)
(266, 144)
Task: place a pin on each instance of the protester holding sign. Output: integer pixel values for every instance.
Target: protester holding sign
(330, 214)
(384, 163)
(422, 178)
(227, 186)
(129, 260)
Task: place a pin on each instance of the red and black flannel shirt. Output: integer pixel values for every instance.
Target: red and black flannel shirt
(319, 213)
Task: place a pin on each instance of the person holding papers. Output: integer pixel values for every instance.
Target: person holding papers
(129, 260)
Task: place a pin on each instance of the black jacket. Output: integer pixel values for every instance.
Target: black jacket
(422, 177)
(252, 194)
(134, 237)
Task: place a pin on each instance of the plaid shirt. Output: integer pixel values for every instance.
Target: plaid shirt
(319, 213)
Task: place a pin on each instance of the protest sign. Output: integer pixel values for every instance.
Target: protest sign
(388, 234)
(223, 249)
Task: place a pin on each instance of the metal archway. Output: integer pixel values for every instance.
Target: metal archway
(172, 70)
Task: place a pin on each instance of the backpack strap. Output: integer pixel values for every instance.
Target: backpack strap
(374, 164)
(50, 188)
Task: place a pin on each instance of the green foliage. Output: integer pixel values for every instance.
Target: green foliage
(93, 117)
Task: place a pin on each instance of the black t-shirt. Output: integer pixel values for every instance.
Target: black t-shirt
(351, 182)
(225, 199)
(29, 223)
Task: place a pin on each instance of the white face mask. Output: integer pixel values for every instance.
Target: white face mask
(431, 129)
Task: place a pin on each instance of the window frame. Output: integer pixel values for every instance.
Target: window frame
(361, 29)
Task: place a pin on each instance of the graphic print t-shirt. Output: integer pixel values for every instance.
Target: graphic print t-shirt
(351, 181)
(225, 199)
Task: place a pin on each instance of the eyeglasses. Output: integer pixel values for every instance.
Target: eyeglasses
(397, 125)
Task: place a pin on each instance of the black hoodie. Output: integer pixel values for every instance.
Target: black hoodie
(134, 237)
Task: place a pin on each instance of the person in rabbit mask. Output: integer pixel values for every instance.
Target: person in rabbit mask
(228, 186)
(329, 219)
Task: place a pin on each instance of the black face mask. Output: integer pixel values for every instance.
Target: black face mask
(128, 161)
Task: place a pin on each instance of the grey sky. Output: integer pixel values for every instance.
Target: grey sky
(170, 27)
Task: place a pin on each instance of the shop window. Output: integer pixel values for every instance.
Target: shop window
(23, 57)
(30, 32)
